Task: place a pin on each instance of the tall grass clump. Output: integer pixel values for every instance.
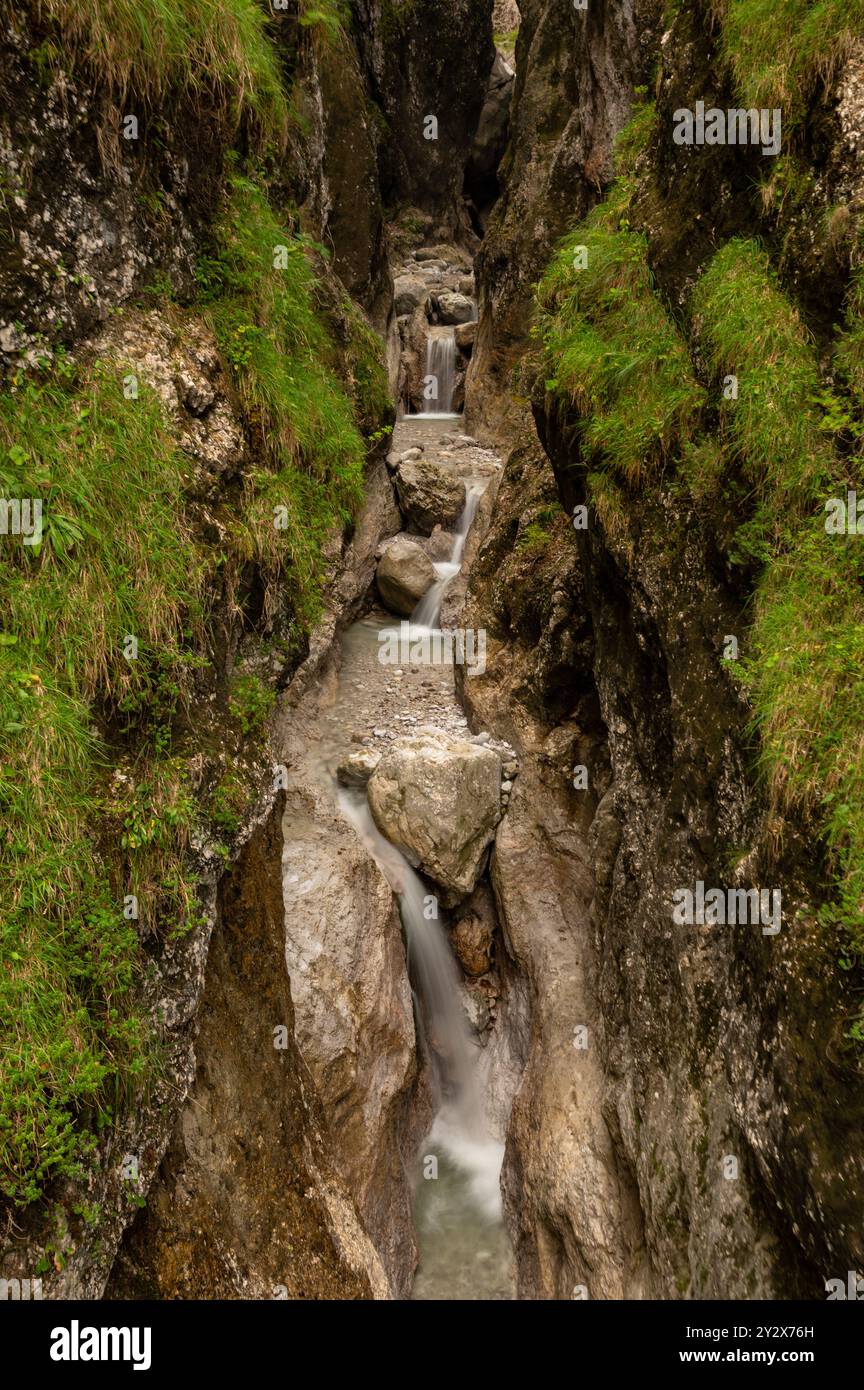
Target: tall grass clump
(806, 660)
(114, 561)
(778, 51)
(149, 48)
(614, 352)
(749, 329)
(258, 285)
(611, 349)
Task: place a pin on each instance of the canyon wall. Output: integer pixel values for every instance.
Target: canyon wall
(710, 1051)
(688, 1098)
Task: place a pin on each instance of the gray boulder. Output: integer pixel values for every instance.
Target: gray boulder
(438, 798)
(454, 308)
(428, 495)
(408, 292)
(356, 768)
(404, 574)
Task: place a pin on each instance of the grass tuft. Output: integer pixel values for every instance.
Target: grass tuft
(749, 330)
(779, 50)
(259, 289)
(148, 48)
(616, 355)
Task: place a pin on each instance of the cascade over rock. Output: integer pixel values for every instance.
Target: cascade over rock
(439, 799)
(395, 1005)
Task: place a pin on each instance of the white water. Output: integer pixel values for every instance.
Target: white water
(464, 1249)
(433, 970)
(426, 615)
(441, 365)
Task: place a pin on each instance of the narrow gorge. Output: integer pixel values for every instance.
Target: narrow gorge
(432, 650)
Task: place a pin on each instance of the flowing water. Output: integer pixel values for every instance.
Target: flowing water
(464, 1249)
(426, 615)
(441, 366)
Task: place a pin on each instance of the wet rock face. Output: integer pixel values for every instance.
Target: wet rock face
(569, 1202)
(465, 335)
(472, 932)
(353, 1016)
(603, 654)
(90, 218)
(732, 1066)
(426, 60)
(248, 1202)
(490, 142)
(576, 73)
(438, 798)
(340, 163)
(82, 231)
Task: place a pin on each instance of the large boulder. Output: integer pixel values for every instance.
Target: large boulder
(409, 292)
(428, 495)
(454, 307)
(404, 574)
(438, 798)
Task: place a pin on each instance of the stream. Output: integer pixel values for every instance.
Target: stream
(464, 1248)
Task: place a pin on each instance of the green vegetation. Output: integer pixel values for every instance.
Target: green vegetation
(259, 288)
(121, 557)
(616, 354)
(807, 680)
(148, 48)
(115, 559)
(773, 429)
(325, 16)
(850, 347)
(778, 50)
(505, 42)
(251, 702)
(533, 538)
(782, 445)
(807, 640)
(228, 802)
